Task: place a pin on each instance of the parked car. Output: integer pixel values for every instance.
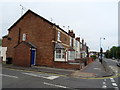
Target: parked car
(118, 63)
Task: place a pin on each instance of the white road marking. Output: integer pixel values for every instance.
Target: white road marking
(116, 88)
(8, 76)
(42, 76)
(105, 80)
(52, 77)
(112, 80)
(104, 83)
(55, 85)
(104, 86)
(97, 68)
(114, 84)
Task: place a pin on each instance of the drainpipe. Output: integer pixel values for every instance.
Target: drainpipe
(19, 35)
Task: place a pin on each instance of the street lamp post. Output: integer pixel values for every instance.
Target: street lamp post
(100, 41)
(101, 50)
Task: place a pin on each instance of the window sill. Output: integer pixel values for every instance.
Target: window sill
(59, 41)
(59, 60)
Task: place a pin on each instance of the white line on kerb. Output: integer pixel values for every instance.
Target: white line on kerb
(55, 85)
(8, 76)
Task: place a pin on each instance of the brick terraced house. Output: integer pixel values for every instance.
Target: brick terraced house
(33, 40)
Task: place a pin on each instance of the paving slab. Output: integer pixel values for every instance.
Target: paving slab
(94, 69)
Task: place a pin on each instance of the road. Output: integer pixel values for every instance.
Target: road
(112, 64)
(14, 78)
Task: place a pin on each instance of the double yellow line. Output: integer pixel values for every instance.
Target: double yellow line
(37, 72)
(115, 76)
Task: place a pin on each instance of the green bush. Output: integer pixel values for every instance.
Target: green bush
(93, 56)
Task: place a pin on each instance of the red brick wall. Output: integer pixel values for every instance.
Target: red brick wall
(66, 65)
(40, 33)
(22, 55)
(64, 38)
(4, 42)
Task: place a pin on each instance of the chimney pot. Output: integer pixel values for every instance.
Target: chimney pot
(71, 33)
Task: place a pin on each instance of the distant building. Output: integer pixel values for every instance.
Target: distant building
(93, 53)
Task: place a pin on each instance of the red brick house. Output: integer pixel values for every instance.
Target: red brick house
(33, 40)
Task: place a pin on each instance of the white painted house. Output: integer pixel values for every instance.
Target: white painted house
(3, 53)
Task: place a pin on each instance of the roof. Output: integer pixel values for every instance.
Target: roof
(59, 46)
(39, 17)
(5, 36)
(29, 44)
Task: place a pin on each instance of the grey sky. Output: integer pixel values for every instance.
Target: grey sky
(89, 20)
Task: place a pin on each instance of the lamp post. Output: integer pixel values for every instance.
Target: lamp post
(101, 50)
(100, 41)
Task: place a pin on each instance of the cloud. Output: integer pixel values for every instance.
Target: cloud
(89, 20)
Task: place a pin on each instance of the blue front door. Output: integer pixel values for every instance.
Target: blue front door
(33, 56)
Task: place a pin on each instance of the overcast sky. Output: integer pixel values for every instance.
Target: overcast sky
(90, 19)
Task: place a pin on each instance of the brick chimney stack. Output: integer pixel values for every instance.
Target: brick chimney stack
(78, 39)
(71, 33)
(82, 41)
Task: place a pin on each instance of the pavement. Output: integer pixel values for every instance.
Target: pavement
(94, 69)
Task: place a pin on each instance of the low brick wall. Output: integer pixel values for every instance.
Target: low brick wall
(85, 61)
(66, 65)
(90, 60)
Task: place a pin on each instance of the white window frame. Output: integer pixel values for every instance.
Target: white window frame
(58, 36)
(61, 56)
(70, 41)
(24, 37)
(71, 55)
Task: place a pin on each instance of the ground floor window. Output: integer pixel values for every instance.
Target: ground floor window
(77, 54)
(71, 55)
(59, 55)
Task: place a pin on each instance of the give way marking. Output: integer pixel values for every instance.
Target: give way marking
(42, 76)
(8, 76)
(55, 85)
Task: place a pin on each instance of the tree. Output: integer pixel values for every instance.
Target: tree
(113, 52)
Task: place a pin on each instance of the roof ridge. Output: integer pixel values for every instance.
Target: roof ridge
(38, 16)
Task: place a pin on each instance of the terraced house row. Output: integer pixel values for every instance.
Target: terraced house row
(33, 40)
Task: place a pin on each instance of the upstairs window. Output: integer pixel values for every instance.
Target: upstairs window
(76, 43)
(70, 41)
(58, 36)
(24, 37)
